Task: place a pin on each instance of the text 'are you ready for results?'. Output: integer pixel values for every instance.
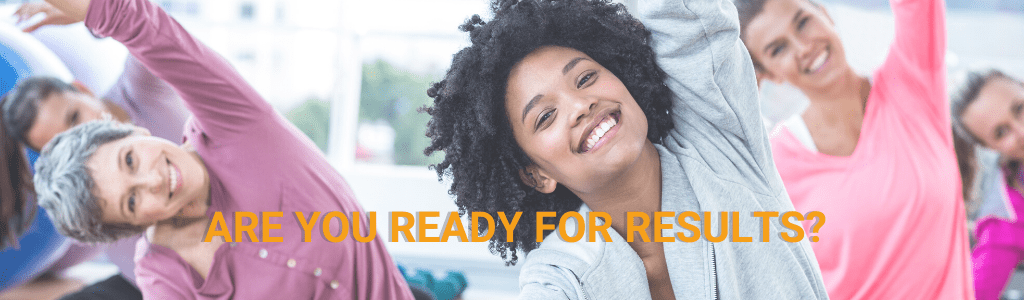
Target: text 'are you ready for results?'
(336, 226)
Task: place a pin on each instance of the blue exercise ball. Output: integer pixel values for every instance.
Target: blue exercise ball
(41, 245)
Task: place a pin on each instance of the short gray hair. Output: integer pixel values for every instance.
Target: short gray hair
(64, 184)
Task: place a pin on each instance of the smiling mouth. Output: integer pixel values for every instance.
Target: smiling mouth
(174, 183)
(818, 62)
(598, 132)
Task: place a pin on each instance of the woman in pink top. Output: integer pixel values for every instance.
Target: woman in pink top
(102, 181)
(988, 111)
(874, 155)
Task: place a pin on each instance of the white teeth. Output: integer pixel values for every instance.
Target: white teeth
(599, 132)
(818, 62)
(174, 178)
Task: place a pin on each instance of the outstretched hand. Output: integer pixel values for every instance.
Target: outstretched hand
(54, 16)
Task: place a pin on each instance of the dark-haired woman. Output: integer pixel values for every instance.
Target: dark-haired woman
(874, 155)
(562, 106)
(988, 111)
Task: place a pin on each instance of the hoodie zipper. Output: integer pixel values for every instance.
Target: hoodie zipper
(714, 272)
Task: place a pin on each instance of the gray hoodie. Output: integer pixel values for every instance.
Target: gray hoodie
(716, 159)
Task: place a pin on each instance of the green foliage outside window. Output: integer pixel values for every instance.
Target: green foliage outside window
(394, 96)
(388, 94)
(313, 118)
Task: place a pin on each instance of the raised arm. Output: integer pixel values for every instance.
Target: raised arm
(921, 33)
(150, 101)
(918, 53)
(716, 110)
(221, 100)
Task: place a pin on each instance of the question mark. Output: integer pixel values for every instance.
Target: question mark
(819, 220)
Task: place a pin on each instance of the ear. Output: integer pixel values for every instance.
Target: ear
(535, 177)
(82, 88)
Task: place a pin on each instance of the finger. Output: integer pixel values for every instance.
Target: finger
(21, 8)
(33, 27)
(47, 21)
(27, 11)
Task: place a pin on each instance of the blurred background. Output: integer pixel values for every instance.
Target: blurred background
(352, 74)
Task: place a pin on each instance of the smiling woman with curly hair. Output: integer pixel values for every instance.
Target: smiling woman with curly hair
(469, 121)
(562, 106)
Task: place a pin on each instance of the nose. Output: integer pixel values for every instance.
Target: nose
(582, 106)
(801, 48)
(151, 181)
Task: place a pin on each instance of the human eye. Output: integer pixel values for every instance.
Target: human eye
(73, 119)
(1018, 108)
(131, 202)
(587, 79)
(128, 160)
(545, 116)
(1000, 132)
(777, 49)
(802, 23)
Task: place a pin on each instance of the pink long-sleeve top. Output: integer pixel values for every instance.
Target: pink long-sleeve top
(896, 227)
(257, 162)
(1000, 247)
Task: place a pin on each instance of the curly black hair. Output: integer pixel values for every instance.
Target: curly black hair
(469, 122)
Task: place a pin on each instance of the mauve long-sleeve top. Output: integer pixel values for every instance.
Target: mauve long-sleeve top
(257, 161)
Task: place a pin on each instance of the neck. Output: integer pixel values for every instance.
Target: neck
(847, 96)
(638, 189)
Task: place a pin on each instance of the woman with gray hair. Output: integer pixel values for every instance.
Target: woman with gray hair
(102, 180)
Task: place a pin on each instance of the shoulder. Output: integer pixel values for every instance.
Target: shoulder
(580, 258)
(554, 250)
(555, 253)
(584, 270)
(781, 131)
(791, 139)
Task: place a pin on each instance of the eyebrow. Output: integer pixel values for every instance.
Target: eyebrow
(120, 166)
(529, 105)
(572, 64)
